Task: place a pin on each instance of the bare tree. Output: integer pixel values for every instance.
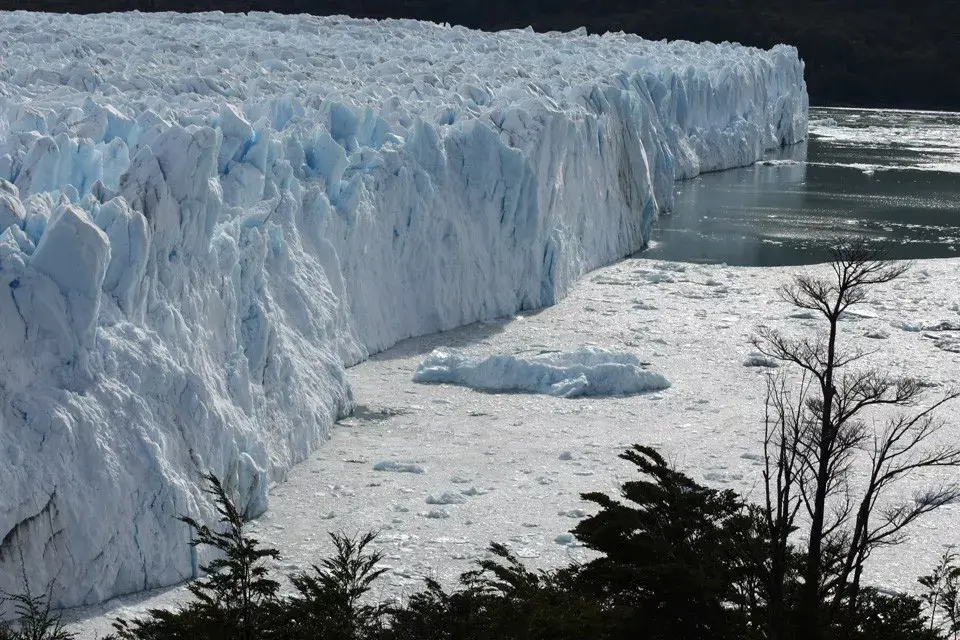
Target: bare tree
(815, 434)
(785, 421)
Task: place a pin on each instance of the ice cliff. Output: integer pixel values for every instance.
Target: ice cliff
(206, 218)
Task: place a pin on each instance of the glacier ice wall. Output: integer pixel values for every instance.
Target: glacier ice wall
(206, 217)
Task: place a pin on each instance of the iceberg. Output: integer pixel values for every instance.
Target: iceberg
(588, 371)
(205, 218)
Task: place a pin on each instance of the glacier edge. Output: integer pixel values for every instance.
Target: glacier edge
(198, 238)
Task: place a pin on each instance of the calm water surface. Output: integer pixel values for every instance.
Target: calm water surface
(892, 176)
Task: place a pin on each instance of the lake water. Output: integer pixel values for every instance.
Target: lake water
(893, 176)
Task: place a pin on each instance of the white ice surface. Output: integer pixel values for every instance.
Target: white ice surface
(587, 371)
(208, 216)
(522, 460)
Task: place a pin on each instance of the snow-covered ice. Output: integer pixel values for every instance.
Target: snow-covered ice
(207, 217)
(588, 371)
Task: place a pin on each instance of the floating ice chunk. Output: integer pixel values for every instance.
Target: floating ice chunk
(917, 327)
(446, 498)
(942, 325)
(912, 327)
(722, 476)
(587, 371)
(951, 344)
(757, 359)
(398, 467)
(778, 162)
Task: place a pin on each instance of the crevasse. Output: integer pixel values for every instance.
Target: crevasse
(205, 218)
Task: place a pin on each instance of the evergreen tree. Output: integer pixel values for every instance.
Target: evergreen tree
(329, 603)
(231, 602)
(676, 557)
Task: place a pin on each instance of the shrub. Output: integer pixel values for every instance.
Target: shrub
(35, 618)
(329, 602)
(232, 601)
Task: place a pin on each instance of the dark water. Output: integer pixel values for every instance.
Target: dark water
(892, 176)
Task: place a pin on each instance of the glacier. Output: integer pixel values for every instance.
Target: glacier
(205, 218)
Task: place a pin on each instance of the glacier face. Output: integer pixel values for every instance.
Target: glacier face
(205, 218)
